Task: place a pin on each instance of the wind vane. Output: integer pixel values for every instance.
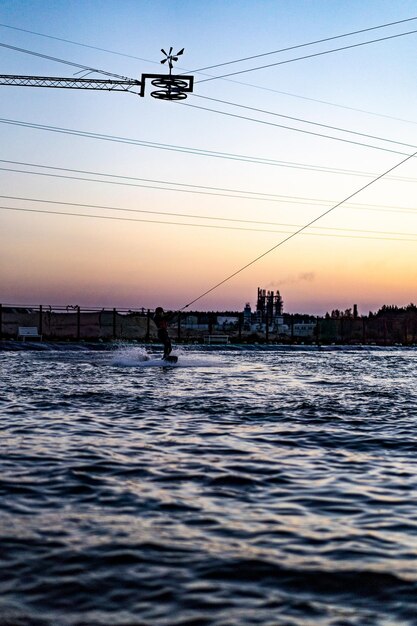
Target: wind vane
(170, 57)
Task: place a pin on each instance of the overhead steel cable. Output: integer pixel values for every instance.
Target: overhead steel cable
(299, 231)
(77, 43)
(213, 226)
(126, 140)
(304, 121)
(252, 195)
(70, 63)
(302, 45)
(202, 217)
(307, 56)
(143, 186)
(135, 178)
(326, 102)
(202, 189)
(288, 164)
(294, 129)
(131, 56)
(261, 87)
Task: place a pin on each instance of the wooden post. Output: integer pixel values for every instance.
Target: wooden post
(148, 325)
(114, 324)
(40, 331)
(49, 319)
(78, 323)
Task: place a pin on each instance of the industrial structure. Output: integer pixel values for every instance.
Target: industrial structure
(268, 314)
(269, 318)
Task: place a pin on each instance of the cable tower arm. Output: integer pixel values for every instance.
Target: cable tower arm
(69, 83)
(171, 87)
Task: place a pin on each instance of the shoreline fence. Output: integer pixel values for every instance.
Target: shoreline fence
(76, 323)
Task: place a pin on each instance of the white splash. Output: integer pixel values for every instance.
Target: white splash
(137, 356)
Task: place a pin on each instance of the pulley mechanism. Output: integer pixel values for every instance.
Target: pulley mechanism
(171, 86)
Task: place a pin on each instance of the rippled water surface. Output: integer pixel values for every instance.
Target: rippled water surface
(243, 486)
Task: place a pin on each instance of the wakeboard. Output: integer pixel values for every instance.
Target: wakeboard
(171, 359)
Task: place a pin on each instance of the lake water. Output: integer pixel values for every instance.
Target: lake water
(243, 486)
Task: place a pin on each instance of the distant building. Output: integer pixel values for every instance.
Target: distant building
(269, 313)
(194, 322)
(226, 323)
(247, 317)
(306, 329)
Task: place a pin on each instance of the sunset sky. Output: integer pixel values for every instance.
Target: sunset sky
(277, 179)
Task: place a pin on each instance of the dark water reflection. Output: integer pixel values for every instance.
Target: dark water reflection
(244, 487)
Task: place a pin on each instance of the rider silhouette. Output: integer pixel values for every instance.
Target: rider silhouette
(161, 320)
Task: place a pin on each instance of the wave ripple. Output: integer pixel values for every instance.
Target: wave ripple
(266, 487)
